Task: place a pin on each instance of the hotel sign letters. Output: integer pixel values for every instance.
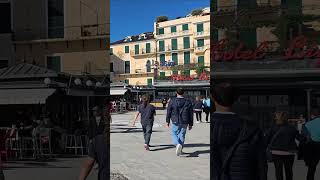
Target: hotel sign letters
(297, 50)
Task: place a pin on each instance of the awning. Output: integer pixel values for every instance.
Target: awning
(118, 92)
(24, 96)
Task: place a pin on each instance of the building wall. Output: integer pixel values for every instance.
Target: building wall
(180, 34)
(137, 62)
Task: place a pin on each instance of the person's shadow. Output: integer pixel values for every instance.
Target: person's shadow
(193, 154)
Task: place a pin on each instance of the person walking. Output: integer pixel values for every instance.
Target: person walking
(96, 123)
(147, 112)
(311, 147)
(281, 142)
(197, 108)
(180, 112)
(237, 144)
(206, 107)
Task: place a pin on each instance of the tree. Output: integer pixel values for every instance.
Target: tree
(196, 12)
(162, 19)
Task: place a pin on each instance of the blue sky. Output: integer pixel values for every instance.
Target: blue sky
(131, 17)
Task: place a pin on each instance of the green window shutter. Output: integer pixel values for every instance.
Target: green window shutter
(111, 51)
(186, 57)
(173, 29)
(126, 81)
(161, 31)
(185, 27)
(247, 4)
(186, 42)
(200, 27)
(174, 44)
(162, 74)
(148, 48)
(126, 49)
(136, 49)
(54, 63)
(175, 58)
(162, 58)
(149, 81)
(148, 66)
(200, 43)
(249, 38)
(201, 60)
(127, 67)
(161, 46)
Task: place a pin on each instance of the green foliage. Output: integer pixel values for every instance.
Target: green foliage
(196, 12)
(162, 19)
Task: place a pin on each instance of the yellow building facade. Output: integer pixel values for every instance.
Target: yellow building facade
(184, 41)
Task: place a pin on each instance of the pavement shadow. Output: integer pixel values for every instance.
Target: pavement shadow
(196, 153)
(170, 146)
(129, 130)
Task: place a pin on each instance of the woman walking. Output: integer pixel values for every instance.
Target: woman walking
(282, 145)
(147, 112)
(197, 108)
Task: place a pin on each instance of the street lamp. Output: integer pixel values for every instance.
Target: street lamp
(77, 81)
(89, 83)
(47, 81)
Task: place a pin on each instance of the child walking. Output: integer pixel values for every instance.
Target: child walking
(147, 112)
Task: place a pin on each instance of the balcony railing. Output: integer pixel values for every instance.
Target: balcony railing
(180, 47)
(174, 34)
(202, 34)
(142, 52)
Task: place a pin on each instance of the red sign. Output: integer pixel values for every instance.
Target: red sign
(202, 77)
(297, 50)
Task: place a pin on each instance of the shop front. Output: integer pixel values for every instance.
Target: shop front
(266, 82)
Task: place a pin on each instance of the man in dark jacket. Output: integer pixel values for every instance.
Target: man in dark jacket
(96, 123)
(180, 112)
(237, 146)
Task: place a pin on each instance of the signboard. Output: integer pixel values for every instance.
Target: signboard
(299, 48)
(167, 64)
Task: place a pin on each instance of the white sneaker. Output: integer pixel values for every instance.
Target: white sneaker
(197, 122)
(179, 149)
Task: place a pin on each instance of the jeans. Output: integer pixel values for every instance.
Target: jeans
(147, 131)
(179, 133)
(312, 159)
(285, 161)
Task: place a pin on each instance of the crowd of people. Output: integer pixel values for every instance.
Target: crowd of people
(241, 150)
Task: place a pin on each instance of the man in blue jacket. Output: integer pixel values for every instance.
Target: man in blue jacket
(180, 112)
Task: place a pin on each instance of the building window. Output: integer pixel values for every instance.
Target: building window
(186, 42)
(174, 44)
(149, 81)
(5, 18)
(185, 27)
(162, 58)
(4, 63)
(148, 48)
(111, 51)
(162, 74)
(126, 81)
(200, 43)
(186, 57)
(201, 60)
(148, 66)
(161, 46)
(215, 34)
(127, 67)
(136, 49)
(161, 31)
(54, 63)
(200, 27)
(173, 29)
(175, 58)
(126, 49)
(111, 67)
(55, 18)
